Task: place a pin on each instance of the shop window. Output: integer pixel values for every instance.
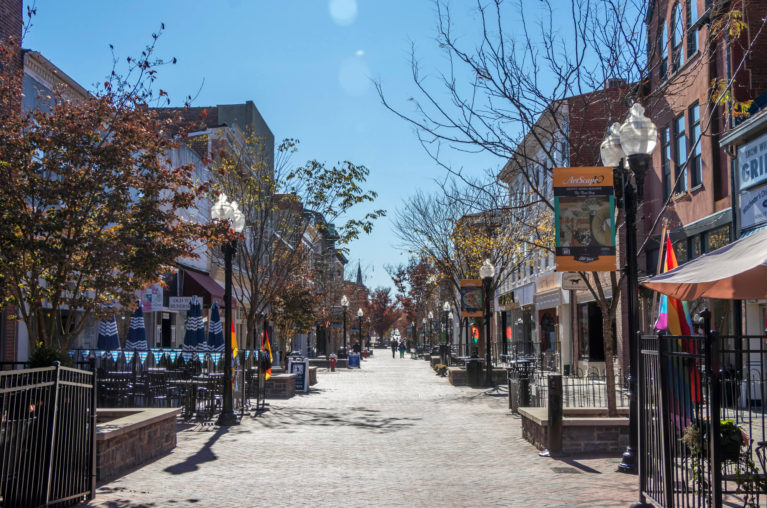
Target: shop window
(681, 252)
(548, 333)
(590, 333)
(695, 247)
(665, 152)
(717, 238)
(696, 171)
(680, 154)
(677, 35)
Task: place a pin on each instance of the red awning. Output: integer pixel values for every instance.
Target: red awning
(202, 285)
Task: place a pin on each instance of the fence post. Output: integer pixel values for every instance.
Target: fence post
(714, 394)
(665, 416)
(52, 441)
(555, 413)
(94, 419)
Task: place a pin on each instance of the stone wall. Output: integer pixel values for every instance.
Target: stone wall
(281, 386)
(129, 441)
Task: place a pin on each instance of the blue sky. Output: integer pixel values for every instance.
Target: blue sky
(306, 64)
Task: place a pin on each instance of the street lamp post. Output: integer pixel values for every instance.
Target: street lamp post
(449, 340)
(230, 211)
(344, 305)
(359, 326)
(431, 329)
(635, 140)
(443, 346)
(486, 273)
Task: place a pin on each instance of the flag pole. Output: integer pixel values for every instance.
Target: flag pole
(661, 257)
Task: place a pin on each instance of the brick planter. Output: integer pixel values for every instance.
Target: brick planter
(584, 431)
(281, 386)
(132, 437)
(456, 376)
(312, 376)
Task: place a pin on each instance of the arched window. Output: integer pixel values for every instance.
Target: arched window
(691, 8)
(677, 36)
(662, 50)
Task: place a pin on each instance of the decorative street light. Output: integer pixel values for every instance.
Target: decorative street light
(359, 325)
(635, 140)
(486, 273)
(431, 328)
(450, 326)
(443, 347)
(345, 305)
(229, 211)
(424, 335)
(414, 334)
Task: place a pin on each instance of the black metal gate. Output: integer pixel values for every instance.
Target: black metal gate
(47, 436)
(684, 383)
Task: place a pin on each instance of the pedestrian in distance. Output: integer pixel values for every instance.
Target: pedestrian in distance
(394, 349)
(402, 349)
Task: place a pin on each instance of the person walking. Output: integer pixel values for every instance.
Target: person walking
(402, 349)
(394, 349)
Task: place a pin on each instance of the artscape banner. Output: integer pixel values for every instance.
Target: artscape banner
(584, 211)
(471, 298)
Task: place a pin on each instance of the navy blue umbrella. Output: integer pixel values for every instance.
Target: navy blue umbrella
(215, 330)
(194, 338)
(108, 339)
(137, 331)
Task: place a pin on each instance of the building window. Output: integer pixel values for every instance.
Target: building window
(662, 50)
(692, 35)
(696, 172)
(665, 163)
(695, 247)
(677, 35)
(681, 252)
(717, 238)
(680, 154)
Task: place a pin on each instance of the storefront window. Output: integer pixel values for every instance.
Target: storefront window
(695, 247)
(548, 334)
(591, 338)
(717, 238)
(680, 249)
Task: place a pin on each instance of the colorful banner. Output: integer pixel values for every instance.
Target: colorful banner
(151, 298)
(584, 214)
(471, 298)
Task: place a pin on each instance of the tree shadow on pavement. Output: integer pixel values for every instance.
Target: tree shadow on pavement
(360, 417)
(204, 454)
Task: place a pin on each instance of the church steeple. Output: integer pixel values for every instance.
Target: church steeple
(359, 275)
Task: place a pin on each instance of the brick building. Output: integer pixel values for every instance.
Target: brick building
(693, 47)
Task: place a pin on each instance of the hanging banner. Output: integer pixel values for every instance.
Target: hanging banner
(151, 298)
(471, 298)
(584, 215)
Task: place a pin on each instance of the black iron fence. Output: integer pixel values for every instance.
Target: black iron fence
(172, 378)
(578, 391)
(701, 419)
(47, 436)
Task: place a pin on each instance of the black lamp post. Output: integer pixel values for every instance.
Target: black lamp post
(635, 140)
(486, 273)
(431, 329)
(359, 327)
(449, 340)
(443, 345)
(345, 305)
(226, 210)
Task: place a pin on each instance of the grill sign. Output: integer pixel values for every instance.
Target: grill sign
(584, 211)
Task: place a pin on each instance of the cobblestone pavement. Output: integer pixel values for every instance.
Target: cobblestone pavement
(390, 434)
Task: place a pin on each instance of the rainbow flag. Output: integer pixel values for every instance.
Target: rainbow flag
(268, 348)
(673, 315)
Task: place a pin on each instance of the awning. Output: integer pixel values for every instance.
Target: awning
(737, 271)
(199, 284)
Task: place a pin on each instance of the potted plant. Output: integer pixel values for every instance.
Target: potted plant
(731, 439)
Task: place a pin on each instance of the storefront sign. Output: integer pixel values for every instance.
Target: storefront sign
(584, 214)
(573, 281)
(177, 303)
(753, 207)
(752, 162)
(300, 368)
(471, 298)
(151, 298)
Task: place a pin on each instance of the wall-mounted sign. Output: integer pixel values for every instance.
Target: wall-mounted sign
(753, 207)
(752, 162)
(471, 298)
(584, 215)
(178, 303)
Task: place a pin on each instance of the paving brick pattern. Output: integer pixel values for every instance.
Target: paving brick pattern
(390, 434)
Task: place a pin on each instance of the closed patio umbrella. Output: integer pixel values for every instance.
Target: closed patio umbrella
(215, 330)
(108, 339)
(137, 331)
(194, 337)
(737, 271)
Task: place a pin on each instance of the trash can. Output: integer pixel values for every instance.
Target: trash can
(474, 373)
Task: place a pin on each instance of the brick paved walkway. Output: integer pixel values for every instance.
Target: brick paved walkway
(390, 434)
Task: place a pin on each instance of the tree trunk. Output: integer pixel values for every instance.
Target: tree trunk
(607, 334)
